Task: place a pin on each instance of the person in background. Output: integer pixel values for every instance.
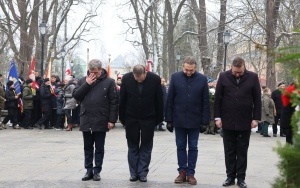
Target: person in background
(287, 113)
(70, 102)
(140, 110)
(46, 94)
(54, 84)
(268, 111)
(11, 105)
(164, 90)
(27, 98)
(60, 121)
(187, 109)
(237, 109)
(276, 96)
(2, 100)
(97, 95)
(37, 108)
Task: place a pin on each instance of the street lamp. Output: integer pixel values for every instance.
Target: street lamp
(178, 56)
(43, 30)
(226, 36)
(63, 53)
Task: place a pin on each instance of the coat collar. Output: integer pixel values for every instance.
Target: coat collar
(233, 79)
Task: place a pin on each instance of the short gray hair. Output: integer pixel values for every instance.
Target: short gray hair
(138, 70)
(95, 64)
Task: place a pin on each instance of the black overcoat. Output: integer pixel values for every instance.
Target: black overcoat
(98, 103)
(237, 104)
(147, 106)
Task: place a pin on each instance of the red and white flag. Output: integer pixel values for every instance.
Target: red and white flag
(149, 65)
(31, 75)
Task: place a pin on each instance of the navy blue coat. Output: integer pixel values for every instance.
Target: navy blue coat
(187, 103)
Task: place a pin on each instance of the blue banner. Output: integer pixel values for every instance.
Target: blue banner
(13, 76)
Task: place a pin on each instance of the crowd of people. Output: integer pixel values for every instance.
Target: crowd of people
(191, 104)
(44, 105)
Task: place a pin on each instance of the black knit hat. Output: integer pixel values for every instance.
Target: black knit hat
(281, 83)
(9, 83)
(28, 81)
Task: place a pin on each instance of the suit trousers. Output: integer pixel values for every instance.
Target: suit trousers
(236, 145)
(89, 139)
(139, 136)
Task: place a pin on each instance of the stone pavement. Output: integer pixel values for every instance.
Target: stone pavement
(49, 158)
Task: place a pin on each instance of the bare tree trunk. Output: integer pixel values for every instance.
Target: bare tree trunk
(221, 29)
(165, 46)
(200, 13)
(272, 7)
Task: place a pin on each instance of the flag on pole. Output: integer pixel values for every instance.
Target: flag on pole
(68, 69)
(149, 65)
(13, 76)
(31, 75)
(108, 70)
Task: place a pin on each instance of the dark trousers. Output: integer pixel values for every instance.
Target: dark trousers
(89, 139)
(12, 116)
(37, 110)
(53, 117)
(46, 115)
(187, 160)
(139, 136)
(289, 135)
(236, 145)
(27, 121)
(60, 121)
(75, 115)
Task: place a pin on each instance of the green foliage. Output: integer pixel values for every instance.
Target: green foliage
(289, 164)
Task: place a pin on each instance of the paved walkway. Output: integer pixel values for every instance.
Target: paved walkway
(49, 158)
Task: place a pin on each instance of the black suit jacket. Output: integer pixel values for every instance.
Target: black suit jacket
(147, 105)
(238, 104)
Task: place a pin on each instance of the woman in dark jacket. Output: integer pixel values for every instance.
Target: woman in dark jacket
(60, 121)
(11, 105)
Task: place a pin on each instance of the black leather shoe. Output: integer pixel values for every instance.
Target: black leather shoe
(143, 179)
(229, 182)
(133, 178)
(87, 176)
(241, 184)
(282, 135)
(96, 177)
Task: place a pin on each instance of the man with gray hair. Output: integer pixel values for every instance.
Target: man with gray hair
(97, 95)
(140, 110)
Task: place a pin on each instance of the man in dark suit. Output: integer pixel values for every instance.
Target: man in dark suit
(140, 110)
(237, 110)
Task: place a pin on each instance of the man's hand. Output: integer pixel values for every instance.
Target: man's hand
(170, 127)
(90, 79)
(203, 128)
(218, 123)
(110, 125)
(254, 123)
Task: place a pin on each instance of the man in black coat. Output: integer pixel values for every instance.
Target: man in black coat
(276, 96)
(140, 110)
(98, 113)
(237, 110)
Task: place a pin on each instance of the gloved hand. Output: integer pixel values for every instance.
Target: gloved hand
(170, 127)
(203, 128)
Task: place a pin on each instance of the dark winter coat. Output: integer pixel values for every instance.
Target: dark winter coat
(188, 101)
(237, 104)
(54, 98)
(46, 96)
(276, 96)
(2, 96)
(147, 106)
(10, 96)
(99, 103)
(60, 101)
(27, 97)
